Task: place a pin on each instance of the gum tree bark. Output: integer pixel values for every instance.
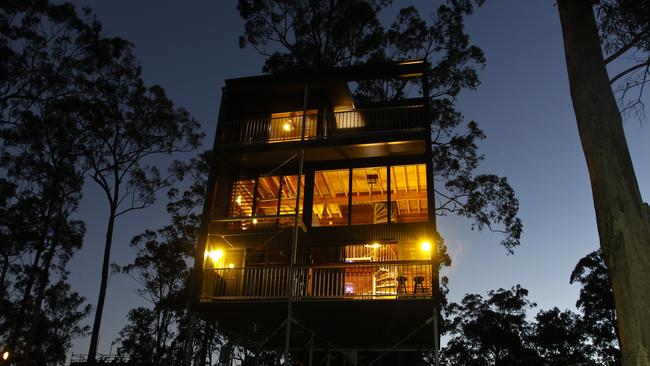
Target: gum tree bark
(622, 220)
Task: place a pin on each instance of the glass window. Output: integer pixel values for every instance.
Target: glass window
(330, 206)
(241, 200)
(286, 126)
(288, 198)
(409, 193)
(268, 196)
(369, 191)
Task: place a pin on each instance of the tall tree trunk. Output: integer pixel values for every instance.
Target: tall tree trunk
(38, 304)
(92, 351)
(623, 225)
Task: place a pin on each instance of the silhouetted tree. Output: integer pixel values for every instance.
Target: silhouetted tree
(42, 47)
(125, 125)
(492, 331)
(596, 302)
(162, 272)
(304, 34)
(559, 338)
(623, 220)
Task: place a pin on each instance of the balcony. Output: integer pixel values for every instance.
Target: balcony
(327, 126)
(396, 280)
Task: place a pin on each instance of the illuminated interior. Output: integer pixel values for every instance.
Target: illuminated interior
(286, 126)
(369, 191)
(330, 206)
(409, 192)
(268, 196)
(348, 119)
(380, 273)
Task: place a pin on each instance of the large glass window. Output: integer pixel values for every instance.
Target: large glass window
(409, 193)
(266, 196)
(331, 189)
(369, 191)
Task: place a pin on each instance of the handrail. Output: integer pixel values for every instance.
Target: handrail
(326, 125)
(371, 280)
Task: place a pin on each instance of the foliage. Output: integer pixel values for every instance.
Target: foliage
(559, 338)
(596, 302)
(125, 125)
(624, 27)
(41, 46)
(160, 268)
(492, 331)
(308, 34)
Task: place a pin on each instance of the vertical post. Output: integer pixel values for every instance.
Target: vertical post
(311, 350)
(436, 338)
(296, 228)
(431, 204)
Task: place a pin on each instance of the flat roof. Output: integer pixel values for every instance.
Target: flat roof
(368, 71)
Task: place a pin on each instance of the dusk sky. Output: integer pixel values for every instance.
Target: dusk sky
(523, 105)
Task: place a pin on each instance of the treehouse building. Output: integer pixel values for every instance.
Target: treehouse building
(319, 230)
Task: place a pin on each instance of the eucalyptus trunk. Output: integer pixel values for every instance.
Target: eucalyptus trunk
(94, 338)
(622, 220)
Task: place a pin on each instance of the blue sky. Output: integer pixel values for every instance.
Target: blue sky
(523, 105)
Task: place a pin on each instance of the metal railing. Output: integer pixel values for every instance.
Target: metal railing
(363, 281)
(322, 126)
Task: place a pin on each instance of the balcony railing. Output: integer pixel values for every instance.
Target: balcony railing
(356, 281)
(322, 126)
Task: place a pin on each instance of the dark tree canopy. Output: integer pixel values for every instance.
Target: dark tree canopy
(492, 331)
(596, 302)
(42, 49)
(307, 34)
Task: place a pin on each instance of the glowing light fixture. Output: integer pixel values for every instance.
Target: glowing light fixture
(231, 266)
(373, 245)
(425, 246)
(238, 200)
(288, 126)
(254, 221)
(5, 355)
(214, 255)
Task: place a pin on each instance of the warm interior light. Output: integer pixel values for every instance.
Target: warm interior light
(288, 126)
(373, 245)
(231, 266)
(425, 246)
(214, 255)
(254, 221)
(238, 200)
(5, 355)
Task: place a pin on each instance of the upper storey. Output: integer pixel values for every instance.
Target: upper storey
(353, 106)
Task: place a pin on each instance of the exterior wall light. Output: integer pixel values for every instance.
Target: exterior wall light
(5, 355)
(425, 246)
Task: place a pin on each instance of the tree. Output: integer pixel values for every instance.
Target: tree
(596, 302)
(160, 268)
(124, 126)
(308, 34)
(559, 338)
(492, 331)
(42, 47)
(622, 218)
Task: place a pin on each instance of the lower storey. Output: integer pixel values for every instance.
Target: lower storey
(321, 325)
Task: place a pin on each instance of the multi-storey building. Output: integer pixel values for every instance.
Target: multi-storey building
(319, 226)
